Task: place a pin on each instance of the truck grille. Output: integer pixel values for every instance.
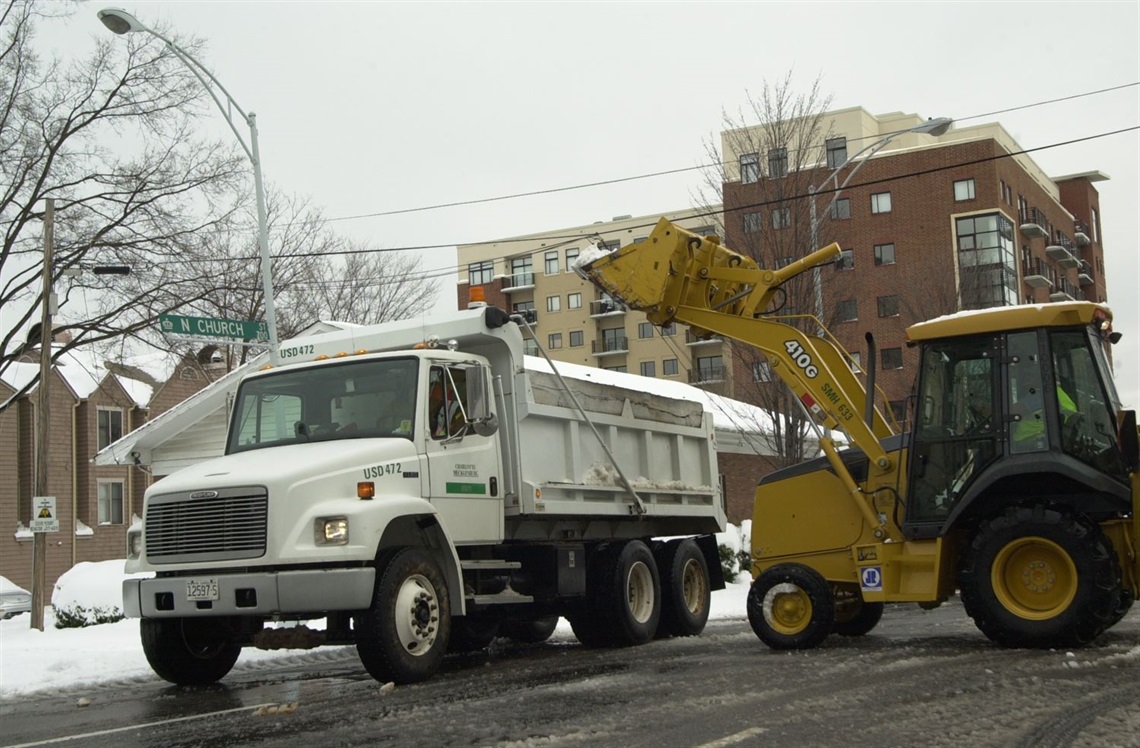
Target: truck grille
(206, 525)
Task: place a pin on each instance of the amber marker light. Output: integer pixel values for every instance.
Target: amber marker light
(366, 490)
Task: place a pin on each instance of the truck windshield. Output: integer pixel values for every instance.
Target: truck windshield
(350, 400)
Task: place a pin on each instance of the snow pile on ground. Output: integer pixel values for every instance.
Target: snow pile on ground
(90, 593)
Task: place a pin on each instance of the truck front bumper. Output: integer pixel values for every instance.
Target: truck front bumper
(252, 594)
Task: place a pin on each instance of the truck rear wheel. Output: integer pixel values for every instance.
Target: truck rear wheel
(402, 638)
(189, 651)
(531, 632)
(1040, 578)
(854, 616)
(685, 590)
(790, 606)
(624, 606)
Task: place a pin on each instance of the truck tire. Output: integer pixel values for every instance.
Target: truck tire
(685, 590)
(530, 632)
(624, 598)
(189, 651)
(472, 634)
(854, 616)
(403, 636)
(1039, 578)
(791, 606)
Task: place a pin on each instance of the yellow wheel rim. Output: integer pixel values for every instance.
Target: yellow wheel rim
(787, 609)
(1034, 578)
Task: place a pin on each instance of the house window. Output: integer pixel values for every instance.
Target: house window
(836, 152)
(888, 306)
(710, 368)
(761, 372)
(554, 340)
(847, 310)
(881, 202)
(553, 303)
(479, 273)
(648, 368)
(845, 260)
(644, 330)
(884, 254)
(576, 339)
(892, 358)
(522, 271)
(781, 218)
(669, 367)
(752, 223)
(841, 209)
(552, 263)
(571, 258)
(964, 189)
(110, 426)
(574, 301)
(669, 330)
(778, 162)
(749, 168)
(111, 503)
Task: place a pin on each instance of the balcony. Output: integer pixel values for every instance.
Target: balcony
(518, 282)
(1066, 291)
(609, 346)
(1085, 274)
(691, 339)
(1036, 274)
(1033, 224)
(606, 307)
(1061, 254)
(1081, 234)
(707, 375)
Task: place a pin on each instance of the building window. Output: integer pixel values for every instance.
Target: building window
(710, 368)
(1095, 226)
(553, 303)
(964, 189)
(847, 310)
(552, 263)
(749, 168)
(836, 152)
(845, 260)
(574, 301)
(614, 340)
(856, 360)
(703, 230)
(479, 273)
(111, 503)
(752, 223)
(609, 246)
(888, 306)
(526, 309)
(778, 162)
(621, 369)
(648, 368)
(761, 372)
(669, 367)
(554, 340)
(669, 330)
(841, 209)
(576, 339)
(986, 261)
(881, 202)
(530, 347)
(522, 271)
(781, 218)
(892, 358)
(644, 330)
(571, 258)
(783, 262)
(884, 254)
(110, 426)
(898, 410)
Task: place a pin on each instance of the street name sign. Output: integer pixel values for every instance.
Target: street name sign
(212, 327)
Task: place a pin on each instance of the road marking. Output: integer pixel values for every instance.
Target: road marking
(67, 738)
(739, 737)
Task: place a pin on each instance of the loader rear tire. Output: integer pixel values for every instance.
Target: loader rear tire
(791, 606)
(685, 590)
(854, 616)
(1039, 578)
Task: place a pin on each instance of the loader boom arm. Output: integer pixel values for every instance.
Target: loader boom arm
(675, 275)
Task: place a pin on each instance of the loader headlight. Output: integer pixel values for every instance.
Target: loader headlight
(332, 531)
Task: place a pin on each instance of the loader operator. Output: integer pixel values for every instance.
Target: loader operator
(1030, 427)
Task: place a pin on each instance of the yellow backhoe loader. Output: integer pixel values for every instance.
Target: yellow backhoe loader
(1017, 484)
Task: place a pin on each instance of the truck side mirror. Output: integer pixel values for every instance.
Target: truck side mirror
(479, 414)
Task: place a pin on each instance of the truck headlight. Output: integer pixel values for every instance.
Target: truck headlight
(332, 531)
(134, 544)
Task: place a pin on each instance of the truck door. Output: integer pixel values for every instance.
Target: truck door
(464, 476)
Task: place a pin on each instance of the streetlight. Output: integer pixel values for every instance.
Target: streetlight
(122, 22)
(936, 127)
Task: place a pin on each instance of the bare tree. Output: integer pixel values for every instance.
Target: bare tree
(142, 209)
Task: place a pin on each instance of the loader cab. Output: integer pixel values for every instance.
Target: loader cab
(1003, 415)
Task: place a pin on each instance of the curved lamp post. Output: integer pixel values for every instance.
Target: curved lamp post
(122, 22)
(937, 126)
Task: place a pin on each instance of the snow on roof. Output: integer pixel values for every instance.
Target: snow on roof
(79, 368)
(139, 392)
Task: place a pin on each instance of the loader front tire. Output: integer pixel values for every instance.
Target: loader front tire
(791, 606)
(1039, 578)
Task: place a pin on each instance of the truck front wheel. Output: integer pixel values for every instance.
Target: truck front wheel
(402, 638)
(189, 651)
(790, 606)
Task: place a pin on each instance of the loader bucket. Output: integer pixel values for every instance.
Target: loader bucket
(631, 274)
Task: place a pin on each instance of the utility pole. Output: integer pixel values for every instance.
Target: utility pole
(39, 542)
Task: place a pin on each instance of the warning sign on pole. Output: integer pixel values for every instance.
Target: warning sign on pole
(44, 518)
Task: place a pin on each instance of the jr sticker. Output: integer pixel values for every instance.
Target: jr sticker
(872, 578)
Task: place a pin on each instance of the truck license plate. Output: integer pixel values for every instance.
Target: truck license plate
(201, 589)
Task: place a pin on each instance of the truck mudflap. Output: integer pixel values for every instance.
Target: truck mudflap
(250, 594)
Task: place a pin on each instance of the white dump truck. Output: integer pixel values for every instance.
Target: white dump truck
(418, 489)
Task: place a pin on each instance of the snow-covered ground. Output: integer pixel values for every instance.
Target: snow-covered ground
(32, 660)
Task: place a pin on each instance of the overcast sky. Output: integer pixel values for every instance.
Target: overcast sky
(369, 107)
